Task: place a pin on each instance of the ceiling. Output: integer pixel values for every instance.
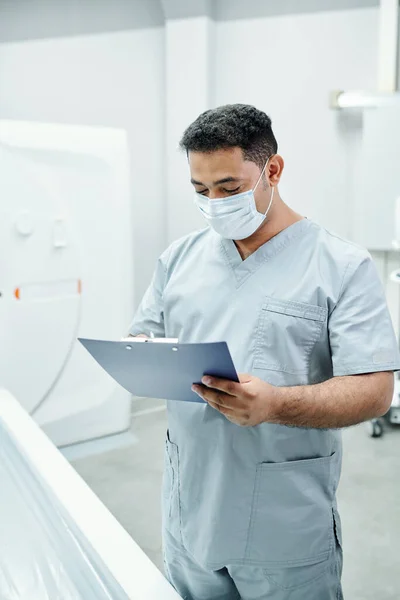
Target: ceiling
(37, 19)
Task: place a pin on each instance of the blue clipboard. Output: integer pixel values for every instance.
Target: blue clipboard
(162, 370)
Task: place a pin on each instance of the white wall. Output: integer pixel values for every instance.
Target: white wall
(386, 263)
(39, 19)
(111, 79)
(284, 64)
(287, 66)
(189, 54)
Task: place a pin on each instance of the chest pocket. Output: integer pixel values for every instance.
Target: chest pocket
(286, 335)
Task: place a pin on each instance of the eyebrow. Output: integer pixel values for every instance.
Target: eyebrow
(219, 182)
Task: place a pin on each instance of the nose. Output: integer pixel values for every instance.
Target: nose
(216, 195)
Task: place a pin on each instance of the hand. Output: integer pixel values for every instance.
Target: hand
(247, 403)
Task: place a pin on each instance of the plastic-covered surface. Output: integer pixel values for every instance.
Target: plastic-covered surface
(57, 540)
(42, 555)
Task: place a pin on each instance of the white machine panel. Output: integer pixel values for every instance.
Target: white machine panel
(65, 271)
(39, 285)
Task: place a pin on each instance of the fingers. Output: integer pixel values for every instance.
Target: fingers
(216, 397)
(224, 385)
(227, 412)
(232, 392)
(230, 398)
(230, 406)
(205, 393)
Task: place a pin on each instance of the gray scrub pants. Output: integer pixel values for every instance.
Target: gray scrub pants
(194, 582)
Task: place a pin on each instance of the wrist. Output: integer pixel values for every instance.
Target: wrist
(275, 403)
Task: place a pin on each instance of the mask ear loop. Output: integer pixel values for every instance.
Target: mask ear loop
(270, 202)
(262, 173)
(272, 188)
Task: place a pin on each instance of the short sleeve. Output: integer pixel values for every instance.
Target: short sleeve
(361, 333)
(149, 317)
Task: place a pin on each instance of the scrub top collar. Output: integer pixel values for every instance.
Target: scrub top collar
(242, 269)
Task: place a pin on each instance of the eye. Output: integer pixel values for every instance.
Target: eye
(231, 191)
(202, 192)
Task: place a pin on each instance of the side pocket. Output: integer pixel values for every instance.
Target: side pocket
(171, 509)
(337, 528)
(168, 474)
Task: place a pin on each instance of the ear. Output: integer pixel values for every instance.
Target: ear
(275, 168)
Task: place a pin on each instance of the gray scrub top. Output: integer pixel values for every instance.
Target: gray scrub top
(305, 307)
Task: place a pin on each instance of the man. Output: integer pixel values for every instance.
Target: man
(249, 507)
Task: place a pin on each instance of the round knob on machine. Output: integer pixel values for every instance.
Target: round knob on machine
(24, 223)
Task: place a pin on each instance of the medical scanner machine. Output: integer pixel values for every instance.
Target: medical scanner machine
(65, 271)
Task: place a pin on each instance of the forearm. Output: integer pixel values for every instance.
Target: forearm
(339, 402)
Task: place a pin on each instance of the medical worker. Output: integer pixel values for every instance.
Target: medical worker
(249, 492)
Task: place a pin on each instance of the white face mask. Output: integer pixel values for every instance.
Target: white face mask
(234, 217)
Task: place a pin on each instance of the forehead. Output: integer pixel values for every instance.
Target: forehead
(212, 166)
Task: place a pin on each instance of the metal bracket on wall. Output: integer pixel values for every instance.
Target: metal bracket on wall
(388, 61)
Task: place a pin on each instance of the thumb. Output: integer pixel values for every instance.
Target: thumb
(244, 378)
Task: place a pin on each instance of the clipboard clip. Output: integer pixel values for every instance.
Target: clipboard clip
(144, 340)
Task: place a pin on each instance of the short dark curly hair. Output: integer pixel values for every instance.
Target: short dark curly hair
(229, 126)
